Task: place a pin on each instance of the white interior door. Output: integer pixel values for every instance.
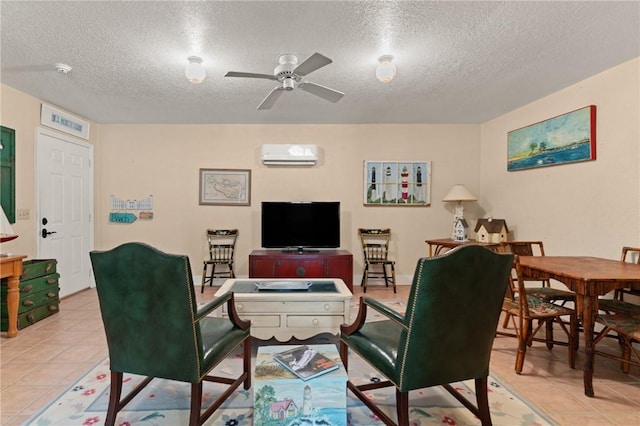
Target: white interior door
(64, 188)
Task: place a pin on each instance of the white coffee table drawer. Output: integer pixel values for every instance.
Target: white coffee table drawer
(263, 321)
(312, 321)
(288, 307)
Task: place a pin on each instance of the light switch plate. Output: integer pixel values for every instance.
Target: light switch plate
(23, 214)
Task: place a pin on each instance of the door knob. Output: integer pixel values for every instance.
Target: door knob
(45, 232)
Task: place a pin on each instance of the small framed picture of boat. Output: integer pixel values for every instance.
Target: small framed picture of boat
(567, 138)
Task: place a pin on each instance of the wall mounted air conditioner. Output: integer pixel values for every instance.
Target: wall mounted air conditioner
(289, 155)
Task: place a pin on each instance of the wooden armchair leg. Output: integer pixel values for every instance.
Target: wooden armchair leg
(196, 404)
(549, 331)
(402, 407)
(482, 398)
(385, 275)
(393, 277)
(365, 279)
(522, 345)
(573, 341)
(114, 398)
(204, 275)
(626, 354)
(344, 355)
(246, 362)
(231, 273)
(505, 321)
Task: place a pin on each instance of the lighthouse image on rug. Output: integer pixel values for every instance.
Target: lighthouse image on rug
(282, 398)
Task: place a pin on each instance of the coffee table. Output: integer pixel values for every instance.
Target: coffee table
(283, 314)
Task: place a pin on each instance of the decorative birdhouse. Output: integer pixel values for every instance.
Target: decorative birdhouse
(491, 230)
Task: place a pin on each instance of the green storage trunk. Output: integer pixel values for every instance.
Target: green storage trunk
(39, 293)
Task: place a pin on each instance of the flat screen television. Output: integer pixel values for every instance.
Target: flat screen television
(300, 225)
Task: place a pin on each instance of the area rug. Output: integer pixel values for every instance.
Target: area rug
(166, 403)
(372, 315)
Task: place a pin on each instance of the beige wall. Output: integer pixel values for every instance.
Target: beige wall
(21, 112)
(134, 161)
(590, 208)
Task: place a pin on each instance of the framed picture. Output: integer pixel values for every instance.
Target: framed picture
(225, 187)
(567, 138)
(63, 121)
(397, 183)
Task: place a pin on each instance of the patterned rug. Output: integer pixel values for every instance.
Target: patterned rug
(166, 403)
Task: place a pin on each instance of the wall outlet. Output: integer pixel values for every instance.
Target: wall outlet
(23, 214)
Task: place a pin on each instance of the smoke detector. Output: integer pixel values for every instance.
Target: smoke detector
(62, 68)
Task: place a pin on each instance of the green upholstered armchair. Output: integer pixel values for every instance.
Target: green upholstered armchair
(154, 327)
(445, 336)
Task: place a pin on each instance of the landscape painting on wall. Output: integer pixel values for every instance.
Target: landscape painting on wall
(567, 138)
(397, 183)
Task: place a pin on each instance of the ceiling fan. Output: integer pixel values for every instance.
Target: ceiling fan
(290, 75)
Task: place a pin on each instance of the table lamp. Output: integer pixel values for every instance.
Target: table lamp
(459, 193)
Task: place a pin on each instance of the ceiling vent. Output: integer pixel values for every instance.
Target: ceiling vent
(289, 155)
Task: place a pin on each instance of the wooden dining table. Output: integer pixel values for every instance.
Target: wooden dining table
(589, 278)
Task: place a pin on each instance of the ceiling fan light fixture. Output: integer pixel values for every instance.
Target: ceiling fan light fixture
(288, 83)
(386, 70)
(194, 71)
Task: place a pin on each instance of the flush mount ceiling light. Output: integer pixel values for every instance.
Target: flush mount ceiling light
(386, 69)
(195, 71)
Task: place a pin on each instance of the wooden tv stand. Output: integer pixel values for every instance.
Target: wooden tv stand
(305, 264)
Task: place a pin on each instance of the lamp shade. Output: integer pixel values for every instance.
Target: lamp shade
(459, 193)
(386, 70)
(194, 71)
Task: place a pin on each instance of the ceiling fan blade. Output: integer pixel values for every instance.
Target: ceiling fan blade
(311, 64)
(324, 92)
(271, 98)
(250, 75)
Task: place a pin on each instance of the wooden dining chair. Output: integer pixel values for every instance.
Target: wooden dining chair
(627, 330)
(621, 320)
(222, 245)
(375, 249)
(618, 304)
(543, 291)
(532, 315)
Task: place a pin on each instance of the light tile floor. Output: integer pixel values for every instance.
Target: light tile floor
(50, 355)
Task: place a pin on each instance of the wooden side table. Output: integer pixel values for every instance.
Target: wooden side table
(11, 268)
(436, 246)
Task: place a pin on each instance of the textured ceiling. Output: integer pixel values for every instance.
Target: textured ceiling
(458, 62)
